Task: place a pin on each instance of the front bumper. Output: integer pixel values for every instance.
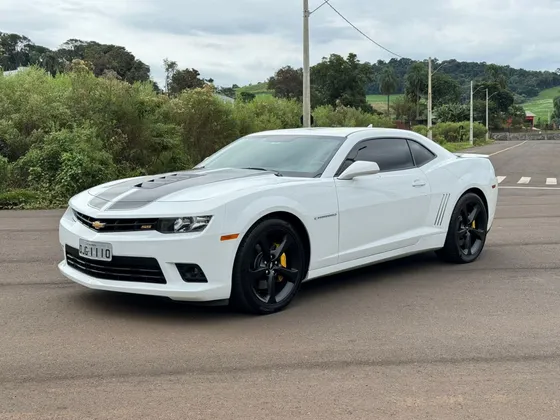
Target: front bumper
(214, 257)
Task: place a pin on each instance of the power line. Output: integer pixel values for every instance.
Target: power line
(354, 26)
(318, 7)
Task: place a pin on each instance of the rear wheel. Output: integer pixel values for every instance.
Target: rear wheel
(467, 230)
(269, 268)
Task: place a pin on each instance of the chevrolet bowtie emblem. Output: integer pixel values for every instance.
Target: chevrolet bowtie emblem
(98, 225)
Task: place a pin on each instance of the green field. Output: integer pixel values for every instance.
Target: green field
(542, 104)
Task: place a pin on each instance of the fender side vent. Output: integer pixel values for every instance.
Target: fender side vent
(441, 210)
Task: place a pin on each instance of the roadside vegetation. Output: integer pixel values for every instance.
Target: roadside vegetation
(88, 113)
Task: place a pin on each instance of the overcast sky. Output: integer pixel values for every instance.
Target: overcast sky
(242, 41)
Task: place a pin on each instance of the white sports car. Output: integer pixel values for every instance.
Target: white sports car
(273, 209)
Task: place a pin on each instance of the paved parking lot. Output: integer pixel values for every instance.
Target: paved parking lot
(410, 339)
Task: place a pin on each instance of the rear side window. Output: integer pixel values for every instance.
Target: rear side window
(389, 154)
(420, 153)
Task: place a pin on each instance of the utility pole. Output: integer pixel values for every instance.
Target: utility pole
(430, 98)
(471, 140)
(306, 78)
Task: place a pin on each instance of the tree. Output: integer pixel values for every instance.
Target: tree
(247, 96)
(227, 91)
(170, 68)
(417, 84)
(336, 80)
(404, 109)
(388, 84)
(517, 115)
(186, 79)
(495, 74)
(556, 104)
(287, 83)
(452, 112)
(15, 51)
(105, 57)
(445, 89)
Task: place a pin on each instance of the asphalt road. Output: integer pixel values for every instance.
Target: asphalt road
(412, 339)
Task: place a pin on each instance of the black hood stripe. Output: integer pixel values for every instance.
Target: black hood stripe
(152, 189)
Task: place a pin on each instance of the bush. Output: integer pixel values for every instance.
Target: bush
(457, 132)
(421, 129)
(65, 163)
(17, 199)
(342, 116)
(64, 134)
(4, 173)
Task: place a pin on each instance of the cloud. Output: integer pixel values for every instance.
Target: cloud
(245, 41)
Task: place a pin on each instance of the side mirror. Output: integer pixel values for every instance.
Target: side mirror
(359, 168)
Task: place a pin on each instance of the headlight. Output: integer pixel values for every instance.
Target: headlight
(183, 224)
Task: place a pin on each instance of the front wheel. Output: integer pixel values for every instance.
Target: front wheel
(467, 230)
(269, 268)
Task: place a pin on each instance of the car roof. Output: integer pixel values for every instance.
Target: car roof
(331, 131)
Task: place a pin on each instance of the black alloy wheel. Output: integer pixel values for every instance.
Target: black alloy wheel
(466, 235)
(269, 268)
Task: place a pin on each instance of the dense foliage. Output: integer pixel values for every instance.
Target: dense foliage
(526, 83)
(87, 113)
(62, 134)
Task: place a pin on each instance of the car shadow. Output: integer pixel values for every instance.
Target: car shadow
(315, 292)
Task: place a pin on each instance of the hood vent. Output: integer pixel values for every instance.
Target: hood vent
(166, 180)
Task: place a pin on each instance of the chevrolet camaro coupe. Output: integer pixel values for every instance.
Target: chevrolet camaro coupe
(271, 210)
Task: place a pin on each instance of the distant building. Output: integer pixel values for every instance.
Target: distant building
(530, 117)
(12, 72)
(225, 98)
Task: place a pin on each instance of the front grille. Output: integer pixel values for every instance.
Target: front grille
(116, 225)
(132, 269)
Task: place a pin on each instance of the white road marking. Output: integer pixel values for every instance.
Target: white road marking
(500, 179)
(551, 181)
(530, 188)
(524, 180)
(509, 148)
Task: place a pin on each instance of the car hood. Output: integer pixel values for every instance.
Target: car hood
(184, 186)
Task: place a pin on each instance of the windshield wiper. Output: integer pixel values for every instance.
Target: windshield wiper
(266, 170)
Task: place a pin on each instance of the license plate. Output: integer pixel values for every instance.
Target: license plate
(95, 250)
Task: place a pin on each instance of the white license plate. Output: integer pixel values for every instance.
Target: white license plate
(95, 250)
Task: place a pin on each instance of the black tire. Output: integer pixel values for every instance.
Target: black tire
(254, 271)
(464, 243)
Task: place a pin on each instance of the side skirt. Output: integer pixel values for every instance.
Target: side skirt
(426, 244)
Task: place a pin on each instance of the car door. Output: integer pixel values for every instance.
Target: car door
(382, 212)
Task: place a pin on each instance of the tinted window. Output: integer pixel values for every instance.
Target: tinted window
(295, 155)
(420, 153)
(389, 154)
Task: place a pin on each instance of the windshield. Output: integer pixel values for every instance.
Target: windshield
(290, 155)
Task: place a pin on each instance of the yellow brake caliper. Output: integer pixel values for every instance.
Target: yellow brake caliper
(283, 263)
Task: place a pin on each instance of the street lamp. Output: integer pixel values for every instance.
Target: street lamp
(471, 139)
(430, 73)
(487, 98)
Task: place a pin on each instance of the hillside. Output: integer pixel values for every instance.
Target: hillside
(534, 89)
(542, 105)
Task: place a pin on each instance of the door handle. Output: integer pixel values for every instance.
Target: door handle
(418, 183)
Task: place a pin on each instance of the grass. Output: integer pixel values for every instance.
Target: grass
(457, 147)
(542, 104)
(261, 89)
(258, 89)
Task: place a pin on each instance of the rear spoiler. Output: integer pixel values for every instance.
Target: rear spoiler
(468, 155)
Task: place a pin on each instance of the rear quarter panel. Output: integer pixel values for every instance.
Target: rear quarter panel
(455, 176)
